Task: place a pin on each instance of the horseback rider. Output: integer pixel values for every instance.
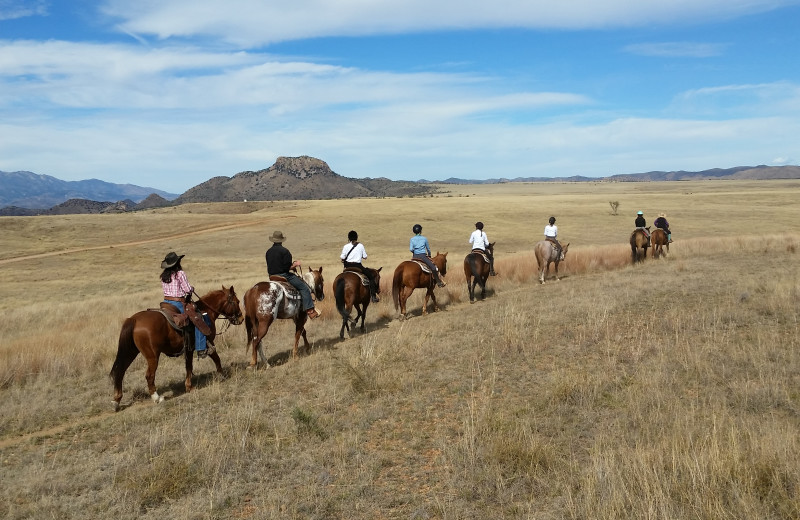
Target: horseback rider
(480, 244)
(641, 223)
(352, 254)
(178, 293)
(551, 234)
(279, 263)
(661, 223)
(420, 250)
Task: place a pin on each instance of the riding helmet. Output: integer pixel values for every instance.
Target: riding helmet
(417, 229)
(479, 225)
(552, 220)
(352, 235)
(639, 213)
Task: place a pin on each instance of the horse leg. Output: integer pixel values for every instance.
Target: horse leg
(150, 377)
(262, 327)
(433, 298)
(300, 330)
(218, 363)
(189, 371)
(483, 286)
(126, 353)
(361, 312)
(405, 292)
(556, 264)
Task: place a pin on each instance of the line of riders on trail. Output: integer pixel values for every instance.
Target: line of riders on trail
(178, 292)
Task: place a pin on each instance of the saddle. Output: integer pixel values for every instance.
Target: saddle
(482, 253)
(356, 271)
(288, 289)
(180, 320)
(423, 265)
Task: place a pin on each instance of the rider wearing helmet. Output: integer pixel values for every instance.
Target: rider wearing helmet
(418, 245)
(480, 242)
(641, 223)
(352, 254)
(551, 233)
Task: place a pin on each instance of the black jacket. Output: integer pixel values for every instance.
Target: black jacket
(279, 260)
(640, 221)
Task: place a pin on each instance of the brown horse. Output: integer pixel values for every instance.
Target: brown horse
(350, 291)
(266, 302)
(149, 333)
(639, 244)
(658, 239)
(476, 272)
(547, 253)
(409, 276)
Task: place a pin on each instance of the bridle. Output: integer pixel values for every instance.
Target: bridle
(220, 314)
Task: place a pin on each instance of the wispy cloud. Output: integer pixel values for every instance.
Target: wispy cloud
(677, 49)
(13, 9)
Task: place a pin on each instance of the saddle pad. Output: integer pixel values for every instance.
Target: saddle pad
(423, 265)
(364, 279)
(288, 289)
(482, 253)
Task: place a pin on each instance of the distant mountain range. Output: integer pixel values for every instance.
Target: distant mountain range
(34, 191)
(290, 178)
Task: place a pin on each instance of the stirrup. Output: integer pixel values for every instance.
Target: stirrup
(313, 313)
(441, 284)
(202, 354)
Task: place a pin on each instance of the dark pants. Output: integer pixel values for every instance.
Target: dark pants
(300, 284)
(369, 273)
(427, 261)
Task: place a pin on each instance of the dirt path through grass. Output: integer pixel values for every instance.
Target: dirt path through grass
(140, 242)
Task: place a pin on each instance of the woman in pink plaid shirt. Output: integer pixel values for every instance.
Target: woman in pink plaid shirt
(177, 291)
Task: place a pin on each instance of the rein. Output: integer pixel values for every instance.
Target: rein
(220, 315)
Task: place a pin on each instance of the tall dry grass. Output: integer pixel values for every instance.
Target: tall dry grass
(661, 390)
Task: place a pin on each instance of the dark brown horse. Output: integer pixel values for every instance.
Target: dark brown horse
(547, 253)
(658, 239)
(266, 302)
(409, 276)
(639, 244)
(476, 272)
(350, 291)
(149, 333)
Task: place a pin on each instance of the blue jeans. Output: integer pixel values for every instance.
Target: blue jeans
(199, 337)
(299, 284)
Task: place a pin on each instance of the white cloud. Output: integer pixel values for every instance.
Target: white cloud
(257, 22)
(13, 9)
(677, 49)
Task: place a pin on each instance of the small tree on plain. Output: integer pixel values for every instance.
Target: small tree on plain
(614, 206)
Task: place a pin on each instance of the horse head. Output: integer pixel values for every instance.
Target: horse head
(440, 260)
(316, 283)
(376, 274)
(231, 308)
(490, 249)
(563, 252)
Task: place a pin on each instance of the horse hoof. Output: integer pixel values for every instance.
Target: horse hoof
(116, 406)
(157, 398)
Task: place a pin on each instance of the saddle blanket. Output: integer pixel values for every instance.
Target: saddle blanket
(423, 265)
(288, 289)
(482, 253)
(364, 279)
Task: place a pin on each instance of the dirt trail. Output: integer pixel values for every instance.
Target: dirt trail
(140, 242)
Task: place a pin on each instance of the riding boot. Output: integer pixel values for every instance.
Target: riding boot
(438, 280)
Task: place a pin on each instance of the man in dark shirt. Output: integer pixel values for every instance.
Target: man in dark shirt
(279, 263)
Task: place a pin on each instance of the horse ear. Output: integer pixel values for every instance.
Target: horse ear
(379, 269)
(309, 269)
(320, 269)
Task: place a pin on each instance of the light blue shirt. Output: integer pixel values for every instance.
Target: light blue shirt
(418, 245)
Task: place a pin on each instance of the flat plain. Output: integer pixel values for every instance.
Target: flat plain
(667, 389)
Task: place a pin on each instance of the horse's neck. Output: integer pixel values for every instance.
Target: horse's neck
(210, 302)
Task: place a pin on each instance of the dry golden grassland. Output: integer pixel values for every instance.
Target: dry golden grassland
(669, 389)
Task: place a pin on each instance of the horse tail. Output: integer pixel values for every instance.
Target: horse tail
(397, 283)
(126, 352)
(338, 292)
(473, 266)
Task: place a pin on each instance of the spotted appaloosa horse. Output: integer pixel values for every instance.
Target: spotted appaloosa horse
(409, 276)
(149, 333)
(547, 253)
(476, 272)
(639, 244)
(349, 291)
(276, 299)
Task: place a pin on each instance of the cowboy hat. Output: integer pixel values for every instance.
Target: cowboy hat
(277, 237)
(662, 214)
(170, 260)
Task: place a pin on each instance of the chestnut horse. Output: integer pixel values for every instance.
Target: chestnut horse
(547, 253)
(658, 239)
(276, 299)
(149, 333)
(639, 244)
(350, 291)
(476, 272)
(409, 276)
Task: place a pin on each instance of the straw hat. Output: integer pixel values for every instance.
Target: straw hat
(171, 259)
(662, 214)
(277, 237)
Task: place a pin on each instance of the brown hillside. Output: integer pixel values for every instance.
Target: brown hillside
(295, 178)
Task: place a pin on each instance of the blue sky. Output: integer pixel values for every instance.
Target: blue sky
(169, 93)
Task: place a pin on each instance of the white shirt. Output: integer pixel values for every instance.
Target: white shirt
(355, 256)
(479, 240)
(551, 231)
